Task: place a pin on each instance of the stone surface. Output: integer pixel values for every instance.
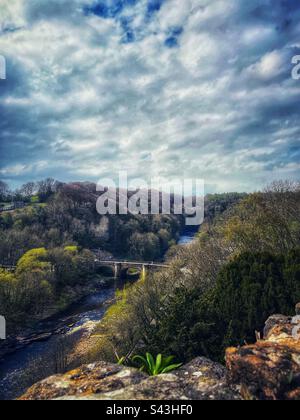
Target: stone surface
(277, 324)
(86, 381)
(201, 379)
(269, 369)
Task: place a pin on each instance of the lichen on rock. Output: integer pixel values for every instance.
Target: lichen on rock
(201, 379)
(269, 369)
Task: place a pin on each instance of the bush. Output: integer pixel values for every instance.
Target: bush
(160, 316)
(248, 290)
(253, 287)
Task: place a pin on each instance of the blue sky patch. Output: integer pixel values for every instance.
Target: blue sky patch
(171, 42)
(154, 6)
(129, 35)
(109, 8)
(172, 39)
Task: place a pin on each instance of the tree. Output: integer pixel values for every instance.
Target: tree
(27, 190)
(8, 297)
(33, 260)
(144, 246)
(4, 190)
(35, 280)
(267, 221)
(71, 265)
(253, 287)
(46, 188)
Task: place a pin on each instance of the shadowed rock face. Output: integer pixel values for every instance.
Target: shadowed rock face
(269, 369)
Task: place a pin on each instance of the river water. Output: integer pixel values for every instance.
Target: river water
(188, 235)
(27, 365)
(22, 368)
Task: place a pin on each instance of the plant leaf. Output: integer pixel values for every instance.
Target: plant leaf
(121, 361)
(151, 363)
(171, 368)
(167, 361)
(140, 359)
(158, 364)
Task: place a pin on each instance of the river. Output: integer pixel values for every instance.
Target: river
(188, 235)
(38, 359)
(32, 361)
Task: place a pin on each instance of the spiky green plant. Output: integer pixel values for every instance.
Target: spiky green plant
(121, 361)
(156, 367)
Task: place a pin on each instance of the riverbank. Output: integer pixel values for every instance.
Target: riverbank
(52, 351)
(43, 327)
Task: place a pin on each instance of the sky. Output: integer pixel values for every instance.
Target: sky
(160, 88)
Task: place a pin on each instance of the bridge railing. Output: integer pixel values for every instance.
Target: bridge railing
(132, 263)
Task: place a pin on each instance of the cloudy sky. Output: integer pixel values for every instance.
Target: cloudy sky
(169, 88)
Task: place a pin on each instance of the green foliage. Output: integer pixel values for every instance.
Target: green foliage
(33, 260)
(244, 267)
(144, 246)
(121, 361)
(253, 287)
(188, 322)
(34, 199)
(159, 366)
(67, 216)
(266, 221)
(71, 249)
(248, 290)
(40, 279)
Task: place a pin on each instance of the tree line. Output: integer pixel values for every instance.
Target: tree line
(65, 214)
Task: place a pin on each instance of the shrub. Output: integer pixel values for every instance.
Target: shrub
(248, 290)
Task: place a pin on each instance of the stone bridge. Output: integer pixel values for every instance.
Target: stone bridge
(121, 266)
(118, 266)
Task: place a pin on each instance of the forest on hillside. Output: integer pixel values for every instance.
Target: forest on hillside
(52, 237)
(58, 215)
(219, 291)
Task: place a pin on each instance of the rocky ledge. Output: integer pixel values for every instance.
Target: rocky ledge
(269, 369)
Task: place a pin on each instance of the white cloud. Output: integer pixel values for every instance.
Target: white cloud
(218, 106)
(269, 66)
